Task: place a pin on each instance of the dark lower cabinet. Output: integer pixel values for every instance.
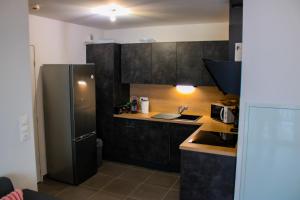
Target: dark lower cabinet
(179, 133)
(149, 144)
(136, 63)
(207, 176)
(155, 143)
(125, 141)
(141, 142)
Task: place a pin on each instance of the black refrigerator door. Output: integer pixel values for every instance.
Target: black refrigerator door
(85, 153)
(83, 100)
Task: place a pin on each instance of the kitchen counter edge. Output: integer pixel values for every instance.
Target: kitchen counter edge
(206, 124)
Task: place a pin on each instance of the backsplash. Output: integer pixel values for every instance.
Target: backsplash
(165, 98)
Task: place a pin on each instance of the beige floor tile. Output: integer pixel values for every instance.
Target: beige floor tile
(176, 186)
(75, 193)
(51, 187)
(136, 174)
(102, 195)
(149, 192)
(172, 195)
(116, 181)
(98, 181)
(112, 169)
(162, 179)
(120, 187)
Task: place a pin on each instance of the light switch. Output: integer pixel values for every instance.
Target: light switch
(238, 52)
(24, 128)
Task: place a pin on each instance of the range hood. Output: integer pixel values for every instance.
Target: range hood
(226, 74)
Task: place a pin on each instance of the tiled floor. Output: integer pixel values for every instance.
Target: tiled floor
(116, 181)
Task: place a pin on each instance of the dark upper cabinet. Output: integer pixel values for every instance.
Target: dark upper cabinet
(215, 50)
(164, 63)
(136, 63)
(190, 67)
(170, 63)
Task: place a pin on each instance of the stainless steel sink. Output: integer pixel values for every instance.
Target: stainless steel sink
(189, 117)
(171, 116)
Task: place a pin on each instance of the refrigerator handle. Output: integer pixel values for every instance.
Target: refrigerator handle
(84, 136)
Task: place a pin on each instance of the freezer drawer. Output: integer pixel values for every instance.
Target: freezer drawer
(85, 157)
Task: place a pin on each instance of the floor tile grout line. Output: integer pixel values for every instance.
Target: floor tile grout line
(123, 169)
(65, 186)
(109, 182)
(169, 189)
(58, 193)
(162, 187)
(138, 185)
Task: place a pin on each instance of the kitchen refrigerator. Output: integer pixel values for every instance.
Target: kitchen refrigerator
(70, 122)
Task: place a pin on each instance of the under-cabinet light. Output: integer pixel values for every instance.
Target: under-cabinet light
(82, 83)
(185, 89)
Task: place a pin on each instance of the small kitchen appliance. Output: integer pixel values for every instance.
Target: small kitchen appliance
(144, 102)
(223, 113)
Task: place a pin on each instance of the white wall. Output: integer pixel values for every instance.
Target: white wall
(191, 32)
(59, 42)
(271, 52)
(270, 72)
(17, 159)
(55, 42)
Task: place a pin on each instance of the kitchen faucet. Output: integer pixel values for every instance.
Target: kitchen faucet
(181, 109)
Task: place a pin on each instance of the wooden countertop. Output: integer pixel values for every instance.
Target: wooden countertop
(206, 124)
(202, 148)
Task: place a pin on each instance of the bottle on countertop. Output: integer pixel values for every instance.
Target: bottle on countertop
(134, 104)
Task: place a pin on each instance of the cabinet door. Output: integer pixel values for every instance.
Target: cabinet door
(141, 142)
(164, 63)
(136, 63)
(190, 67)
(179, 133)
(124, 139)
(216, 50)
(154, 143)
(102, 55)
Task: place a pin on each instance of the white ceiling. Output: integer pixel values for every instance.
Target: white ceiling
(144, 12)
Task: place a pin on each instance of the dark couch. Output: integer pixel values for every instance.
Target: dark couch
(6, 187)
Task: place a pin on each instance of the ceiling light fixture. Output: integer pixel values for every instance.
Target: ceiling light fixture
(112, 11)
